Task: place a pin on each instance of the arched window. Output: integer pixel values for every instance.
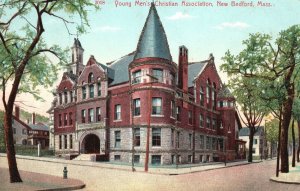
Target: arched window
(213, 96)
(91, 89)
(91, 77)
(208, 93)
(201, 96)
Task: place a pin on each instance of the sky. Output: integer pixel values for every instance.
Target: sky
(114, 31)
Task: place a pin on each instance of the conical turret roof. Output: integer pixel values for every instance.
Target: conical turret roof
(153, 40)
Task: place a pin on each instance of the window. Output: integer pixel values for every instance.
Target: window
(117, 157)
(201, 121)
(99, 89)
(118, 112)
(208, 122)
(59, 120)
(136, 77)
(213, 96)
(71, 96)
(190, 158)
(178, 109)
(137, 107)
(190, 117)
(201, 158)
(214, 143)
(91, 77)
(91, 115)
(15, 130)
(117, 139)
(172, 137)
(255, 142)
(190, 141)
(156, 106)
(98, 113)
(253, 150)
(83, 92)
(65, 119)
(24, 131)
(65, 141)
(66, 97)
(214, 124)
(83, 116)
(156, 159)
(70, 119)
(91, 88)
(136, 159)
(173, 159)
(173, 109)
(156, 136)
(59, 143)
(60, 98)
(220, 104)
(158, 73)
(71, 141)
(207, 91)
(201, 141)
(137, 137)
(177, 139)
(201, 96)
(208, 143)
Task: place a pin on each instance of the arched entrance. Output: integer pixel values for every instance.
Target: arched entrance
(91, 144)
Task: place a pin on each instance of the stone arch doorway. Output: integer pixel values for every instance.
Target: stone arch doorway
(91, 144)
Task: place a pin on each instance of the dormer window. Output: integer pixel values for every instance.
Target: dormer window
(91, 78)
(136, 77)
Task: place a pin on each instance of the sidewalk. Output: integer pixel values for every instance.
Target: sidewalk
(162, 170)
(37, 181)
(293, 177)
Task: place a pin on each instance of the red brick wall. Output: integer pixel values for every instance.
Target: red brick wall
(68, 127)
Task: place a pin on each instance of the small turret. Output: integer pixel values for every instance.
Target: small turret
(76, 66)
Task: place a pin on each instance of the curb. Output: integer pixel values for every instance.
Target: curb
(78, 187)
(284, 182)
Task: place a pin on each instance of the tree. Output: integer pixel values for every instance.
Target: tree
(276, 66)
(247, 96)
(296, 116)
(24, 53)
(2, 142)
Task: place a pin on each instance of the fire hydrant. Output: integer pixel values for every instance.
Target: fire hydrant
(65, 173)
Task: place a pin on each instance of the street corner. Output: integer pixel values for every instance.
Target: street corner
(287, 178)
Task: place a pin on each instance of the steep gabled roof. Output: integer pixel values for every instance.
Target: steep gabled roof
(120, 68)
(194, 70)
(110, 72)
(153, 40)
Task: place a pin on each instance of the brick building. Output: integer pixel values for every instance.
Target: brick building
(110, 109)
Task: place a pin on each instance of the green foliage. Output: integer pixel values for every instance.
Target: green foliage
(272, 130)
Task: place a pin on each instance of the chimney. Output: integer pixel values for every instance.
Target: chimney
(17, 112)
(33, 118)
(183, 69)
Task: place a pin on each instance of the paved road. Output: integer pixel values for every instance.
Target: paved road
(240, 178)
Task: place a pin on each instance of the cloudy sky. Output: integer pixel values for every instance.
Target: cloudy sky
(114, 31)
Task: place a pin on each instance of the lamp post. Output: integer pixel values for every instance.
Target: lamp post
(149, 120)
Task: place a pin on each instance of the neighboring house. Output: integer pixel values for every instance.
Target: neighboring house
(29, 133)
(107, 109)
(258, 140)
(51, 125)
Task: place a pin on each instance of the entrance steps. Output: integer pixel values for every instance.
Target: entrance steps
(86, 157)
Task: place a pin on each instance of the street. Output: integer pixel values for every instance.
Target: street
(240, 178)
